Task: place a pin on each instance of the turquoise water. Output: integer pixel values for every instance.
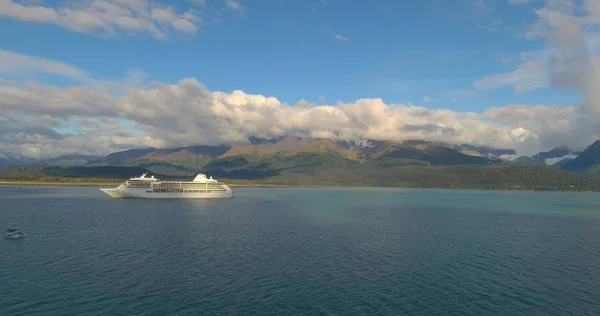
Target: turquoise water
(298, 251)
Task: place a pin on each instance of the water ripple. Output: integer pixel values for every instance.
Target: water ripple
(301, 252)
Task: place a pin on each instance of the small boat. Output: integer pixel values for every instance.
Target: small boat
(13, 233)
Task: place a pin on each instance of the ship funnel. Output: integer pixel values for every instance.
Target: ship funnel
(200, 178)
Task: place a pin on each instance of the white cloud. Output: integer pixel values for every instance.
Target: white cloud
(572, 31)
(105, 17)
(186, 113)
(570, 58)
(7, 81)
(551, 161)
(336, 36)
(234, 5)
(549, 126)
(27, 68)
(12, 64)
(528, 76)
(538, 119)
(427, 99)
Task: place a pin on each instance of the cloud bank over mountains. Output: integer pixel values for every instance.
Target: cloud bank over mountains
(38, 120)
(41, 120)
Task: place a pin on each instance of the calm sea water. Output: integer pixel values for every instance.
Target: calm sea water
(301, 252)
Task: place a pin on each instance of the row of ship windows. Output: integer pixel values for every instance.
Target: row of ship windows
(183, 191)
(177, 186)
(138, 184)
(190, 188)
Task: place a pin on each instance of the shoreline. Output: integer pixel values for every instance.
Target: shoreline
(266, 185)
(98, 184)
(38, 183)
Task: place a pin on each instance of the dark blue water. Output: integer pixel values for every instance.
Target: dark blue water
(301, 252)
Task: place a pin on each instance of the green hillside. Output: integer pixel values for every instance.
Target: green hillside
(330, 169)
(304, 165)
(186, 159)
(45, 172)
(302, 161)
(504, 177)
(424, 153)
(587, 162)
(336, 170)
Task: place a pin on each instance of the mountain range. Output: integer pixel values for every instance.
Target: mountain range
(297, 160)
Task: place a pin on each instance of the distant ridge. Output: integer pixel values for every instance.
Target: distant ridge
(300, 160)
(586, 162)
(37, 172)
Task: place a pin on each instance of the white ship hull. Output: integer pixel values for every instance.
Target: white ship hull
(125, 193)
(151, 188)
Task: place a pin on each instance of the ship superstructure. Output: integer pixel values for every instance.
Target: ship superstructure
(150, 187)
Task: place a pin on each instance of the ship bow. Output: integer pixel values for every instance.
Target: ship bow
(114, 193)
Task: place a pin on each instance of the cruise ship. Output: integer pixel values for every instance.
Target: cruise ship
(150, 187)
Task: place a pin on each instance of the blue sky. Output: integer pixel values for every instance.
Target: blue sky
(401, 51)
(503, 73)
